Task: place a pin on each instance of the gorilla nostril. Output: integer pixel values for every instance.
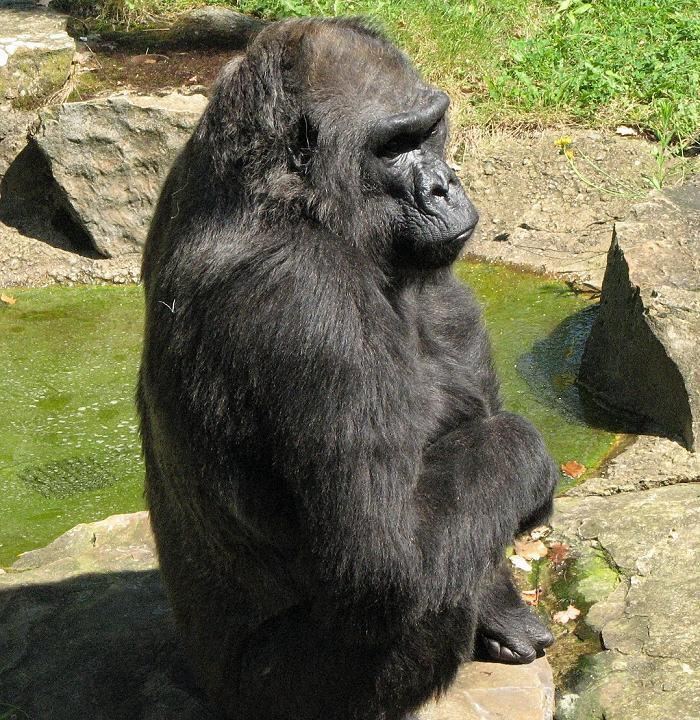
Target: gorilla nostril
(440, 186)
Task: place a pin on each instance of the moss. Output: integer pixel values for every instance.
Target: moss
(35, 77)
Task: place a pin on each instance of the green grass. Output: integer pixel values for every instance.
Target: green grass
(518, 63)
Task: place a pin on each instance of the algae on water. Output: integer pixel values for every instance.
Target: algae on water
(69, 446)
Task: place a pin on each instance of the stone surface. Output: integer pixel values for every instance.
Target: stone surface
(86, 633)
(647, 463)
(14, 127)
(484, 691)
(28, 261)
(650, 624)
(35, 54)
(214, 27)
(541, 210)
(104, 163)
(642, 355)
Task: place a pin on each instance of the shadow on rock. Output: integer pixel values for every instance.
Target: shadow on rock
(97, 646)
(32, 202)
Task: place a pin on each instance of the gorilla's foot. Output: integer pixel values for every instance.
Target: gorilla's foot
(516, 636)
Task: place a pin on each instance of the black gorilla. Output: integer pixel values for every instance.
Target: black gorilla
(331, 478)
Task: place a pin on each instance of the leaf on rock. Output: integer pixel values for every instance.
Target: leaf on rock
(573, 469)
(530, 549)
(521, 563)
(8, 299)
(563, 616)
(558, 552)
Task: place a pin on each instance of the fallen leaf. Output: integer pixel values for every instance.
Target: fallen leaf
(530, 549)
(625, 130)
(573, 469)
(8, 299)
(563, 616)
(521, 563)
(539, 532)
(532, 597)
(558, 552)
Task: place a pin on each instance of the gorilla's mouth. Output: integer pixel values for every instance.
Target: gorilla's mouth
(464, 235)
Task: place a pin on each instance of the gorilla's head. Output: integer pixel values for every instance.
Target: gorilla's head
(327, 121)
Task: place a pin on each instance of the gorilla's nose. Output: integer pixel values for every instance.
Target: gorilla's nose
(440, 182)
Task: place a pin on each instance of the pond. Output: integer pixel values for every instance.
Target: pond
(69, 446)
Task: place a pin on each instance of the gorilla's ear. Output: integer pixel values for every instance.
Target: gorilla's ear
(301, 152)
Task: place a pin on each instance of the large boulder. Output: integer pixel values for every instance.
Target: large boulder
(36, 54)
(86, 632)
(108, 159)
(642, 356)
(649, 623)
(214, 27)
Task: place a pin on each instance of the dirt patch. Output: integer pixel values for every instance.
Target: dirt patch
(102, 68)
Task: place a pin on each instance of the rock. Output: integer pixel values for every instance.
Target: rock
(14, 127)
(650, 624)
(36, 54)
(214, 27)
(642, 356)
(647, 463)
(86, 633)
(86, 630)
(485, 691)
(91, 176)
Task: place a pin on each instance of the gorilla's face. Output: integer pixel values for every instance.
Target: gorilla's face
(436, 216)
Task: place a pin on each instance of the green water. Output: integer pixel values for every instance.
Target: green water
(69, 447)
(538, 328)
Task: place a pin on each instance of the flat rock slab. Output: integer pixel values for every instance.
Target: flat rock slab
(649, 462)
(86, 632)
(650, 623)
(35, 54)
(642, 356)
(485, 691)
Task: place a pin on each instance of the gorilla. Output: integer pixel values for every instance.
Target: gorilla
(331, 477)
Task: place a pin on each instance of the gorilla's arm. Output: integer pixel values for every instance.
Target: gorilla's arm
(332, 390)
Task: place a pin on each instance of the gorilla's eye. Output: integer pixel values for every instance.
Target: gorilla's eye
(399, 145)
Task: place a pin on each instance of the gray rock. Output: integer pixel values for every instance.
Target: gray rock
(14, 127)
(650, 624)
(35, 54)
(214, 27)
(86, 633)
(647, 463)
(485, 691)
(642, 356)
(107, 160)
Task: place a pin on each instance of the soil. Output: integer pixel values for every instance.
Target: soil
(103, 68)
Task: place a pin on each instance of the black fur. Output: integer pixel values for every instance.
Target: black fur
(331, 478)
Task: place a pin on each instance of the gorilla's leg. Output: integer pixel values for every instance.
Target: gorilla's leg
(508, 631)
(292, 668)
